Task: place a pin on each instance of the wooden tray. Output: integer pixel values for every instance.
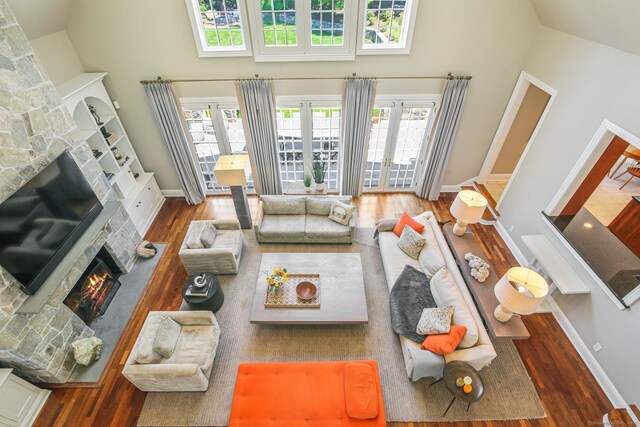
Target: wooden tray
(286, 296)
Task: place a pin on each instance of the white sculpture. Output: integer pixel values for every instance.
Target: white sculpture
(479, 267)
(87, 350)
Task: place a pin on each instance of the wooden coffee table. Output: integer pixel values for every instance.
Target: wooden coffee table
(342, 294)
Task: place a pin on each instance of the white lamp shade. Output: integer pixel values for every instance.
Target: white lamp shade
(232, 169)
(521, 290)
(468, 206)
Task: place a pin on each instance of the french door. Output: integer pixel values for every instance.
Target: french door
(216, 130)
(400, 131)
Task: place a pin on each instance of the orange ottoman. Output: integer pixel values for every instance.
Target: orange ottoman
(318, 394)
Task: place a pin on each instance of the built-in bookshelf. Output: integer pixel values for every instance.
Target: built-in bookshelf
(92, 109)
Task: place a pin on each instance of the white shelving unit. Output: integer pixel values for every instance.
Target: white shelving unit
(136, 188)
(20, 401)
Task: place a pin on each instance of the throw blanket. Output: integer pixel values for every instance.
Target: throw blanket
(409, 296)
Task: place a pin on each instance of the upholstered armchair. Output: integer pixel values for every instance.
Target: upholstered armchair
(189, 338)
(222, 257)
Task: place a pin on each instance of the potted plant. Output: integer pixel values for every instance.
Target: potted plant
(307, 183)
(318, 170)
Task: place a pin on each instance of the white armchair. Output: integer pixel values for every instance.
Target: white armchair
(223, 257)
(189, 366)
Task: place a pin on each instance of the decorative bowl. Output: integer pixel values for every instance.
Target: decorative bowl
(306, 290)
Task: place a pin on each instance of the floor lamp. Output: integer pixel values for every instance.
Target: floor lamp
(232, 171)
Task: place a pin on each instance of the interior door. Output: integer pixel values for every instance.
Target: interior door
(397, 145)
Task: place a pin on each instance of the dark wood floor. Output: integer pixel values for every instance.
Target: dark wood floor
(568, 391)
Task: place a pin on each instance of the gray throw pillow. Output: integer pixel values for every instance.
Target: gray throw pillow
(208, 235)
(435, 321)
(145, 354)
(411, 242)
(284, 205)
(341, 212)
(166, 337)
(192, 239)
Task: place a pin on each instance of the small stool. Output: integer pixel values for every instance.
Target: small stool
(211, 301)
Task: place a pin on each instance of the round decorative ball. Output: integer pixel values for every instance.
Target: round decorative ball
(467, 388)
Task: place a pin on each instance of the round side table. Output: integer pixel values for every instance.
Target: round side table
(458, 369)
(213, 299)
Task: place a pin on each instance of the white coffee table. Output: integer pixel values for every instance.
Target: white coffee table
(342, 295)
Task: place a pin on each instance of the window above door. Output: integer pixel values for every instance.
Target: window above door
(302, 30)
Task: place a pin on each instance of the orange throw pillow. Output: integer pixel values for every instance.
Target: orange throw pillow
(405, 219)
(444, 343)
(360, 391)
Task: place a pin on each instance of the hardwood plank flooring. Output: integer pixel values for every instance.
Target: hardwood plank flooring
(570, 394)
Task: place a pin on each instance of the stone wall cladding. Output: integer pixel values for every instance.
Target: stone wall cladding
(35, 128)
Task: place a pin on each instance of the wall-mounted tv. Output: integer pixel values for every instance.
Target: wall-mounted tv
(42, 221)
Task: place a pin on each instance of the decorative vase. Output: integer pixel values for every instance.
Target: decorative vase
(320, 187)
(307, 189)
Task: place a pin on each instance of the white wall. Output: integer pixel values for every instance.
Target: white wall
(136, 40)
(57, 55)
(594, 82)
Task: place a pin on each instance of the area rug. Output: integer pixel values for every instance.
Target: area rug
(509, 395)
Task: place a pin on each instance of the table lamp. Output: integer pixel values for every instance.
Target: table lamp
(467, 208)
(232, 171)
(519, 291)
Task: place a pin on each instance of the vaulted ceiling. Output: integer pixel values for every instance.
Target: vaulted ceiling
(41, 17)
(610, 22)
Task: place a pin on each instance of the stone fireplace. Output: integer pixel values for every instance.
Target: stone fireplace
(36, 128)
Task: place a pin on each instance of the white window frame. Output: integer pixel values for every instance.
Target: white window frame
(215, 105)
(396, 103)
(403, 48)
(206, 51)
(304, 51)
(306, 104)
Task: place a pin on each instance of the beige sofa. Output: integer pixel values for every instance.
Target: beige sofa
(190, 365)
(223, 257)
(436, 254)
(301, 219)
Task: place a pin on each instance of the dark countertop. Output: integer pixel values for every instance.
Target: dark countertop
(608, 257)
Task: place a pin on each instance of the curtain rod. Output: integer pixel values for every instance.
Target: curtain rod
(447, 77)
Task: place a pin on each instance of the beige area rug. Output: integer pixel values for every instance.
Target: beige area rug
(510, 395)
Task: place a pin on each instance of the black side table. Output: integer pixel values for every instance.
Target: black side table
(212, 301)
(459, 369)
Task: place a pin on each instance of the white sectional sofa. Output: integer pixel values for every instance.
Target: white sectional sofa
(422, 363)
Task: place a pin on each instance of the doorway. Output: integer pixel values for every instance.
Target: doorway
(529, 104)
(397, 142)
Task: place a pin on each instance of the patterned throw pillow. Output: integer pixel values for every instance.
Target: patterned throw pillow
(341, 212)
(435, 321)
(411, 242)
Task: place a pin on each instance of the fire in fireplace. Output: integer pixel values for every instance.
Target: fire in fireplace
(95, 290)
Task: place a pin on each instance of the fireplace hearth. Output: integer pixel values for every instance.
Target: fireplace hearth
(92, 294)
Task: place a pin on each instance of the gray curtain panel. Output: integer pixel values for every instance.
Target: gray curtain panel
(258, 107)
(359, 96)
(171, 124)
(448, 121)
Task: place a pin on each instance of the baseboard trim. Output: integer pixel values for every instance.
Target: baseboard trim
(172, 193)
(511, 244)
(457, 187)
(589, 359)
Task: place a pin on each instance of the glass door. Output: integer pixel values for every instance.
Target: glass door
(399, 134)
(216, 131)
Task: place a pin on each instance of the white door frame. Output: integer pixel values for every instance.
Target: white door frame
(524, 81)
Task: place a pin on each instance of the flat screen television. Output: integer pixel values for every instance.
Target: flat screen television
(42, 221)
